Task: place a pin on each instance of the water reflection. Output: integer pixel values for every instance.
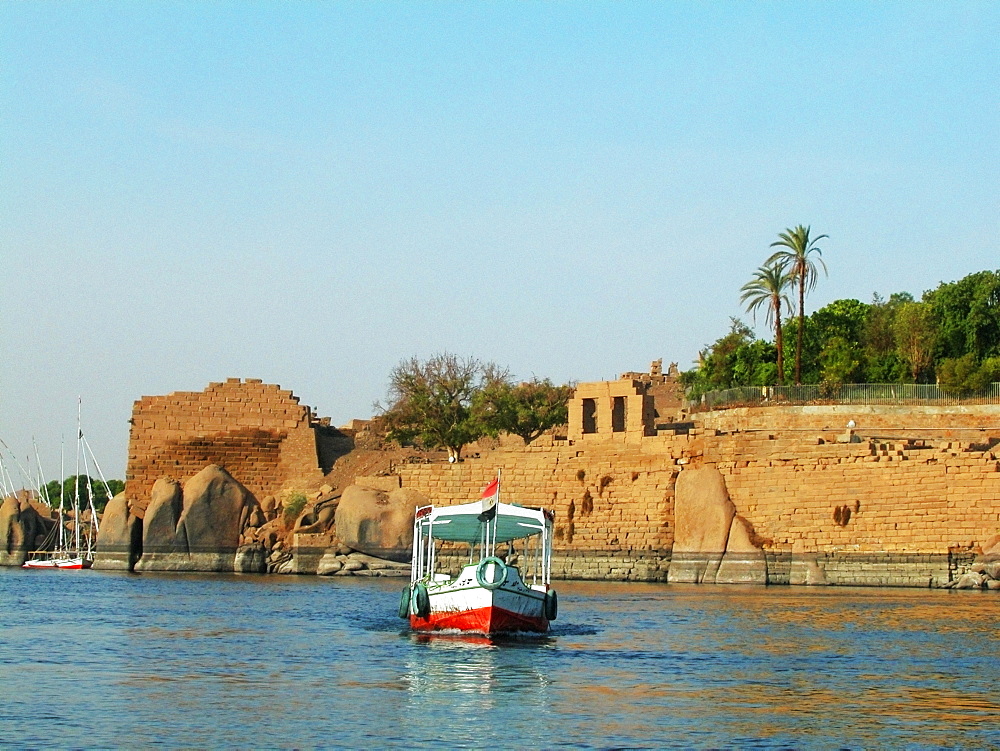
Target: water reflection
(452, 663)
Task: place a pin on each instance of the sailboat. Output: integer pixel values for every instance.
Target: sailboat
(63, 549)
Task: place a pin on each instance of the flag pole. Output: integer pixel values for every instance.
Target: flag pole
(497, 511)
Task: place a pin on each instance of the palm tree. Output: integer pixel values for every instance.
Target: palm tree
(767, 289)
(794, 256)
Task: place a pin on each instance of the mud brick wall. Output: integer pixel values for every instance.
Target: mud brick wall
(258, 432)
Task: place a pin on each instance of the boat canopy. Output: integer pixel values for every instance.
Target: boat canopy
(463, 523)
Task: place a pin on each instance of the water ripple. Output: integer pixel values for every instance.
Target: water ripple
(110, 660)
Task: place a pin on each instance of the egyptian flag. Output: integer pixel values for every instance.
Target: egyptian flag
(490, 497)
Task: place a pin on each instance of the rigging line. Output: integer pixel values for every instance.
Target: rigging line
(3, 479)
(25, 475)
(89, 485)
(107, 489)
(43, 489)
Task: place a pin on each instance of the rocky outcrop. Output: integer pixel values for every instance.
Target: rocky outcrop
(985, 570)
(711, 543)
(119, 540)
(199, 527)
(334, 563)
(250, 559)
(377, 522)
(743, 562)
(22, 530)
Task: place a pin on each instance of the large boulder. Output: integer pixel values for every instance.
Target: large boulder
(21, 530)
(712, 543)
(250, 559)
(119, 540)
(377, 522)
(197, 528)
(988, 562)
(703, 518)
(743, 562)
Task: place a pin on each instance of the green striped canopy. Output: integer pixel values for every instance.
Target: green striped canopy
(464, 523)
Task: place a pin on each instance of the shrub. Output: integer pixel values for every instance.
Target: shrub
(293, 506)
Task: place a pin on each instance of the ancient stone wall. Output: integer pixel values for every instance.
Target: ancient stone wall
(969, 423)
(608, 409)
(613, 503)
(863, 504)
(258, 432)
(861, 511)
(903, 497)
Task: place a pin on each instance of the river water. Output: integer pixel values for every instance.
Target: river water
(99, 659)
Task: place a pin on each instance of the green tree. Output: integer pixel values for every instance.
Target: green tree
(882, 361)
(767, 289)
(799, 255)
(839, 362)
(755, 364)
(915, 332)
(432, 402)
(962, 376)
(526, 410)
(716, 362)
(967, 315)
(63, 493)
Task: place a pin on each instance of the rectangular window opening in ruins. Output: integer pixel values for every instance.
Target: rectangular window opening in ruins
(589, 415)
(618, 415)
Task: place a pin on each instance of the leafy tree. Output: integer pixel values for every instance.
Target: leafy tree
(64, 493)
(716, 362)
(962, 376)
(839, 361)
(767, 290)
(841, 318)
(795, 256)
(432, 402)
(967, 315)
(526, 410)
(958, 375)
(755, 364)
(882, 361)
(915, 333)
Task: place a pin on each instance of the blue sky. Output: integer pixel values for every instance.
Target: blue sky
(308, 193)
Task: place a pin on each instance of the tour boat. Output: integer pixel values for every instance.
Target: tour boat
(490, 594)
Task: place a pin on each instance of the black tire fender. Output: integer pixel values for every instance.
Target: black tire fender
(420, 600)
(551, 605)
(404, 602)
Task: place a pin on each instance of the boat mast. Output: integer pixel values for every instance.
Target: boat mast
(496, 516)
(76, 484)
(62, 488)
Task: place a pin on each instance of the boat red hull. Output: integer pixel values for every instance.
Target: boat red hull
(488, 620)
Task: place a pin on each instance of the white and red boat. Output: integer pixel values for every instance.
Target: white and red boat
(57, 559)
(490, 594)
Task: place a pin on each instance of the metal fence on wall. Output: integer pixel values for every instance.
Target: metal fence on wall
(852, 393)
